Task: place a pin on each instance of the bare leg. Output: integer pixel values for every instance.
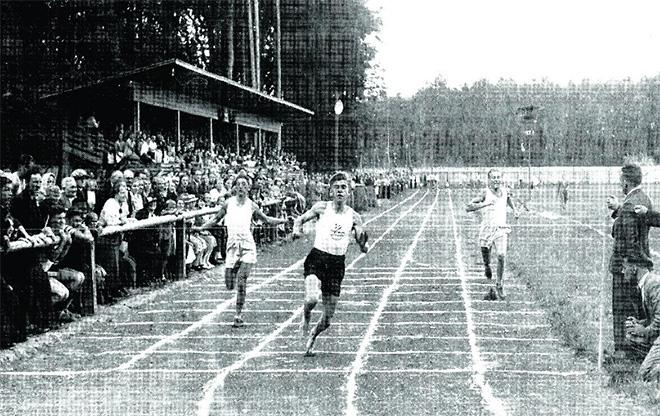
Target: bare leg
(500, 274)
(329, 306)
(241, 288)
(312, 293)
(485, 254)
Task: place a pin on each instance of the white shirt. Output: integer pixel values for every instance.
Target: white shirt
(111, 215)
(333, 230)
(238, 219)
(494, 214)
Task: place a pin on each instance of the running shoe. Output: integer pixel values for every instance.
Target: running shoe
(310, 346)
(238, 321)
(500, 291)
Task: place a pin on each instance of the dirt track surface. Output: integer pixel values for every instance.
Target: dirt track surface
(412, 336)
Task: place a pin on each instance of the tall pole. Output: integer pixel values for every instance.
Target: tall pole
(339, 108)
(257, 44)
(336, 141)
(278, 49)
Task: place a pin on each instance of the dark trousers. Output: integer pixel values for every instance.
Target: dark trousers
(626, 302)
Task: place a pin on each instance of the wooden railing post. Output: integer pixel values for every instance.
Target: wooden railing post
(88, 289)
(180, 243)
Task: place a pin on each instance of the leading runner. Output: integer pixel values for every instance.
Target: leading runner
(324, 265)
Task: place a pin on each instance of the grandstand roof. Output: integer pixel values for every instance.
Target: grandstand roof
(183, 77)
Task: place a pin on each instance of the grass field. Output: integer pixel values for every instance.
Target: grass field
(563, 256)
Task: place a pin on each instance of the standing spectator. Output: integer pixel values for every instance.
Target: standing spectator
(21, 176)
(135, 197)
(631, 247)
(25, 206)
(108, 254)
(146, 247)
(70, 196)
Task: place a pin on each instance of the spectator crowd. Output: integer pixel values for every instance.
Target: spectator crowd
(41, 288)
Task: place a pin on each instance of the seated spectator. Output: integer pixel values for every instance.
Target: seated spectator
(206, 236)
(643, 334)
(63, 281)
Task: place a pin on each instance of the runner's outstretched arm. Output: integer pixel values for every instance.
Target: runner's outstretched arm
(478, 203)
(265, 218)
(312, 213)
(510, 202)
(215, 220)
(361, 236)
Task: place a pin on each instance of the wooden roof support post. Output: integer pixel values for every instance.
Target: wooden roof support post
(136, 116)
(178, 131)
(238, 140)
(211, 134)
(279, 140)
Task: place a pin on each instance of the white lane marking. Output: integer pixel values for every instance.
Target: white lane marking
(287, 311)
(528, 326)
(286, 370)
(205, 320)
(351, 384)
(209, 389)
(110, 336)
(224, 305)
(276, 353)
(493, 404)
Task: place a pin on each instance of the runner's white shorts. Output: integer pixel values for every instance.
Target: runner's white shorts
(244, 252)
(496, 236)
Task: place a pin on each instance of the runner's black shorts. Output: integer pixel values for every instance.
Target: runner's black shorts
(328, 268)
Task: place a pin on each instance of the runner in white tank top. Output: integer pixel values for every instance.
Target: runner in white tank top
(324, 266)
(333, 229)
(237, 212)
(491, 205)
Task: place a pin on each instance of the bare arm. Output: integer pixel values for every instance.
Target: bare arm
(478, 203)
(265, 218)
(509, 201)
(215, 220)
(357, 224)
(311, 214)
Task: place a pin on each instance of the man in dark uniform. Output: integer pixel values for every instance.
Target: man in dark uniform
(631, 248)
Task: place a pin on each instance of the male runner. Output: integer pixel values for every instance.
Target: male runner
(324, 265)
(238, 211)
(493, 231)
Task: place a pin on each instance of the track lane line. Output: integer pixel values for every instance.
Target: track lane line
(492, 403)
(226, 304)
(351, 384)
(209, 389)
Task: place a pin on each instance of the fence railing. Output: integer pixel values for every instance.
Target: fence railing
(88, 291)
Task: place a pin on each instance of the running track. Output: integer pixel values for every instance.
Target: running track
(412, 335)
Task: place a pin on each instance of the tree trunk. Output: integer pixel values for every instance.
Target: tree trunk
(278, 48)
(253, 73)
(230, 39)
(257, 45)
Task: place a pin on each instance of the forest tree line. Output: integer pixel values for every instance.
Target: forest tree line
(486, 124)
